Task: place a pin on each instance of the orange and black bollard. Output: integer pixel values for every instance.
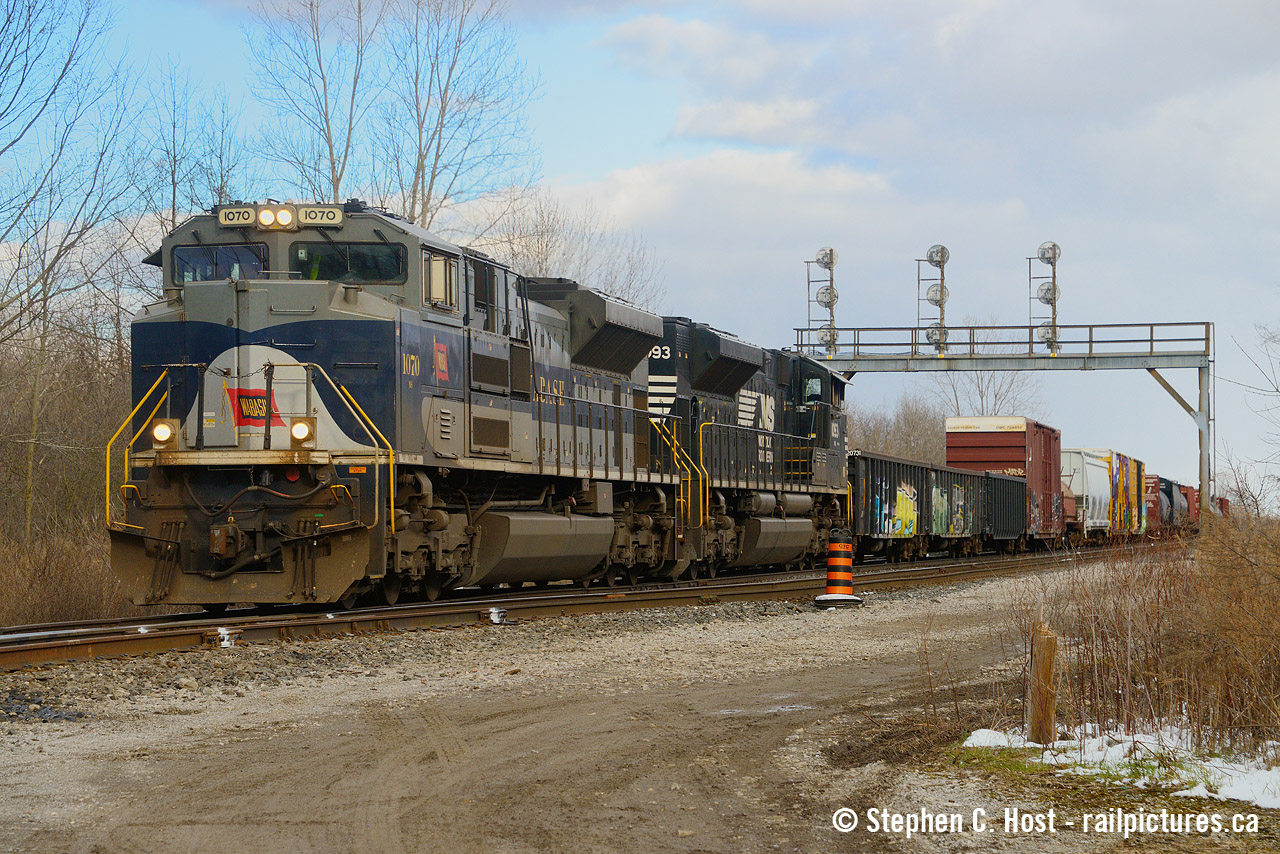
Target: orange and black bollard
(839, 573)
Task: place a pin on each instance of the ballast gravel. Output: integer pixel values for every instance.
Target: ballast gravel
(618, 651)
(687, 729)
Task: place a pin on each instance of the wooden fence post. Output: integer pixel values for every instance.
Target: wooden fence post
(1042, 714)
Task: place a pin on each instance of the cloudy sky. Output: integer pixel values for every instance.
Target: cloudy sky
(739, 137)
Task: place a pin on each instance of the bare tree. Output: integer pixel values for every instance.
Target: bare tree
(68, 173)
(44, 45)
(987, 392)
(222, 170)
(318, 70)
(545, 237)
(65, 121)
(166, 190)
(59, 125)
(914, 429)
(1251, 489)
(453, 121)
(1265, 396)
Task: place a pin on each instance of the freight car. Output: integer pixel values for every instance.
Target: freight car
(1085, 479)
(1125, 490)
(331, 402)
(1020, 447)
(1167, 514)
(905, 509)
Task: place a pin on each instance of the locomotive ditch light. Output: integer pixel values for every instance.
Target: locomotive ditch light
(302, 433)
(164, 434)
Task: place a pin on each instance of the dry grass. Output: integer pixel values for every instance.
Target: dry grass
(64, 575)
(1175, 637)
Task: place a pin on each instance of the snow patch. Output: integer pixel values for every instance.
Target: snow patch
(1166, 757)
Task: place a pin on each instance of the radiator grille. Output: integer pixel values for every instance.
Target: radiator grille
(521, 370)
(488, 370)
(490, 432)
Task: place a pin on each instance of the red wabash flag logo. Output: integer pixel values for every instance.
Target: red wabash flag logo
(249, 407)
(442, 362)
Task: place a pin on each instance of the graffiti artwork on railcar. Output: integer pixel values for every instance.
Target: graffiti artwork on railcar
(942, 516)
(961, 512)
(896, 509)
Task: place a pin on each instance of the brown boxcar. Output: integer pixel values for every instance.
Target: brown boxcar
(1016, 446)
(1193, 503)
(1151, 497)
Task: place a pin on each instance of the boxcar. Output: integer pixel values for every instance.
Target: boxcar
(1020, 447)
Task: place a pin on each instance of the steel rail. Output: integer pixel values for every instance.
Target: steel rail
(72, 641)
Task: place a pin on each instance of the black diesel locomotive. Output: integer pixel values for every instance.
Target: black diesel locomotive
(331, 402)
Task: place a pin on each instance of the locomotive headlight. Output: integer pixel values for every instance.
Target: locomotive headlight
(284, 217)
(164, 434)
(302, 433)
(266, 217)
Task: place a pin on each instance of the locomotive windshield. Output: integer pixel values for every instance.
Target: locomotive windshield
(348, 262)
(210, 263)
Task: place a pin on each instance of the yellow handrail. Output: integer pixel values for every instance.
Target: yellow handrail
(668, 435)
(120, 430)
(391, 455)
(145, 424)
(675, 455)
(702, 469)
(692, 466)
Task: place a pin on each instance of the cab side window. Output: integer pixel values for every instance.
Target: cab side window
(439, 285)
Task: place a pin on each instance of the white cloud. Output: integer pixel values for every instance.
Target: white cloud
(1210, 147)
(712, 55)
(782, 121)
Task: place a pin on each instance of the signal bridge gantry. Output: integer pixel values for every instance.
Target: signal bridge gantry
(1093, 347)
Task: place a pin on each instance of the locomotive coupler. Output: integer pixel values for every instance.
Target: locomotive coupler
(227, 540)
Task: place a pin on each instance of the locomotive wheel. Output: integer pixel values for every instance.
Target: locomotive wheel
(349, 599)
(633, 575)
(612, 578)
(388, 591)
(431, 590)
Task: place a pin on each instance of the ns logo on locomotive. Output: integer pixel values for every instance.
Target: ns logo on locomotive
(331, 403)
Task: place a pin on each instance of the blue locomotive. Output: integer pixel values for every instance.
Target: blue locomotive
(332, 403)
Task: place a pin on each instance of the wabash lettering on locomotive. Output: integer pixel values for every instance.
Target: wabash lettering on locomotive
(249, 407)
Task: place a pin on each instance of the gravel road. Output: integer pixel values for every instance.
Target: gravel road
(690, 729)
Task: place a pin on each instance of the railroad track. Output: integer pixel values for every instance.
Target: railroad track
(23, 646)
